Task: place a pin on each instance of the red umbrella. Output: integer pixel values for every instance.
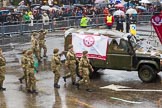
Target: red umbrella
(119, 5)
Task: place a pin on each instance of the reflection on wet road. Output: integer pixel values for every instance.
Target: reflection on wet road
(68, 96)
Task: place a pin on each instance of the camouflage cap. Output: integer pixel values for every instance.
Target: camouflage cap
(70, 46)
(56, 50)
(85, 52)
(24, 51)
(29, 52)
(42, 30)
(34, 33)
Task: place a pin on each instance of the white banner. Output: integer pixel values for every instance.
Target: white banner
(95, 45)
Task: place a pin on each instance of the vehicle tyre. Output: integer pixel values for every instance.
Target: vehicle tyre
(92, 74)
(147, 73)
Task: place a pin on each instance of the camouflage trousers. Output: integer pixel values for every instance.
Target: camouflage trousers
(57, 74)
(72, 73)
(43, 45)
(2, 75)
(25, 76)
(85, 80)
(37, 53)
(32, 80)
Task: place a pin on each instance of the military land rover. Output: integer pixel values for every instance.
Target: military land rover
(115, 50)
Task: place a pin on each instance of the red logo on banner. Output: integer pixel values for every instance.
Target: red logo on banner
(156, 21)
(88, 41)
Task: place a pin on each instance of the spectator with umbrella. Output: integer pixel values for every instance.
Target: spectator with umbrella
(119, 19)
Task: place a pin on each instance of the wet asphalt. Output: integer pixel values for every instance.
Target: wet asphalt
(68, 96)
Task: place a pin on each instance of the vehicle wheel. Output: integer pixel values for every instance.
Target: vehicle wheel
(92, 74)
(147, 73)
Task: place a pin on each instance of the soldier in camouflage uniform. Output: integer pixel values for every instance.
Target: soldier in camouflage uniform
(2, 70)
(71, 64)
(84, 67)
(24, 63)
(30, 69)
(55, 66)
(35, 46)
(42, 40)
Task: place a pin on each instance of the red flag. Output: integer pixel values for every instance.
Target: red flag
(156, 21)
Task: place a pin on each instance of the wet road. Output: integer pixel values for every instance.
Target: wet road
(68, 96)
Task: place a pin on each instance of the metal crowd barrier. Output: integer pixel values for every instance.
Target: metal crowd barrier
(56, 24)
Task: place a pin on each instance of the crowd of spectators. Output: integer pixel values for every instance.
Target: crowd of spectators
(60, 13)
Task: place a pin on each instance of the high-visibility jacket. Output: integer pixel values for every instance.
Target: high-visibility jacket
(83, 22)
(109, 19)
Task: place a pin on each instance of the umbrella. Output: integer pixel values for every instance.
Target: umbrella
(45, 7)
(118, 12)
(144, 1)
(22, 7)
(131, 11)
(141, 7)
(78, 5)
(157, 3)
(112, 9)
(34, 5)
(130, 5)
(10, 7)
(53, 8)
(100, 1)
(119, 5)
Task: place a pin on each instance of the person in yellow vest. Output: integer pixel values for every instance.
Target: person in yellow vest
(109, 20)
(84, 21)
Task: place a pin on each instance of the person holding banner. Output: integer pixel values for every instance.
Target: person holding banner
(70, 63)
(84, 66)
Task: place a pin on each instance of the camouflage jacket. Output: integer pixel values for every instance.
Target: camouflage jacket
(2, 61)
(42, 36)
(55, 61)
(30, 63)
(70, 58)
(84, 63)
(24, 61)
(35, 43)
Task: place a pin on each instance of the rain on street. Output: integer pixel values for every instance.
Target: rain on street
(68, 96)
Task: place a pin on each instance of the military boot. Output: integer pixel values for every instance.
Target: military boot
(77, 85)
(2, 89)
(56, 86)
(89, 90)
(64, 78)
(73, 83)
(35, 92)
(20, 79)
(29, 91)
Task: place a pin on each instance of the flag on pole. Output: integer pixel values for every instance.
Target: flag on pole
(156, 21)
